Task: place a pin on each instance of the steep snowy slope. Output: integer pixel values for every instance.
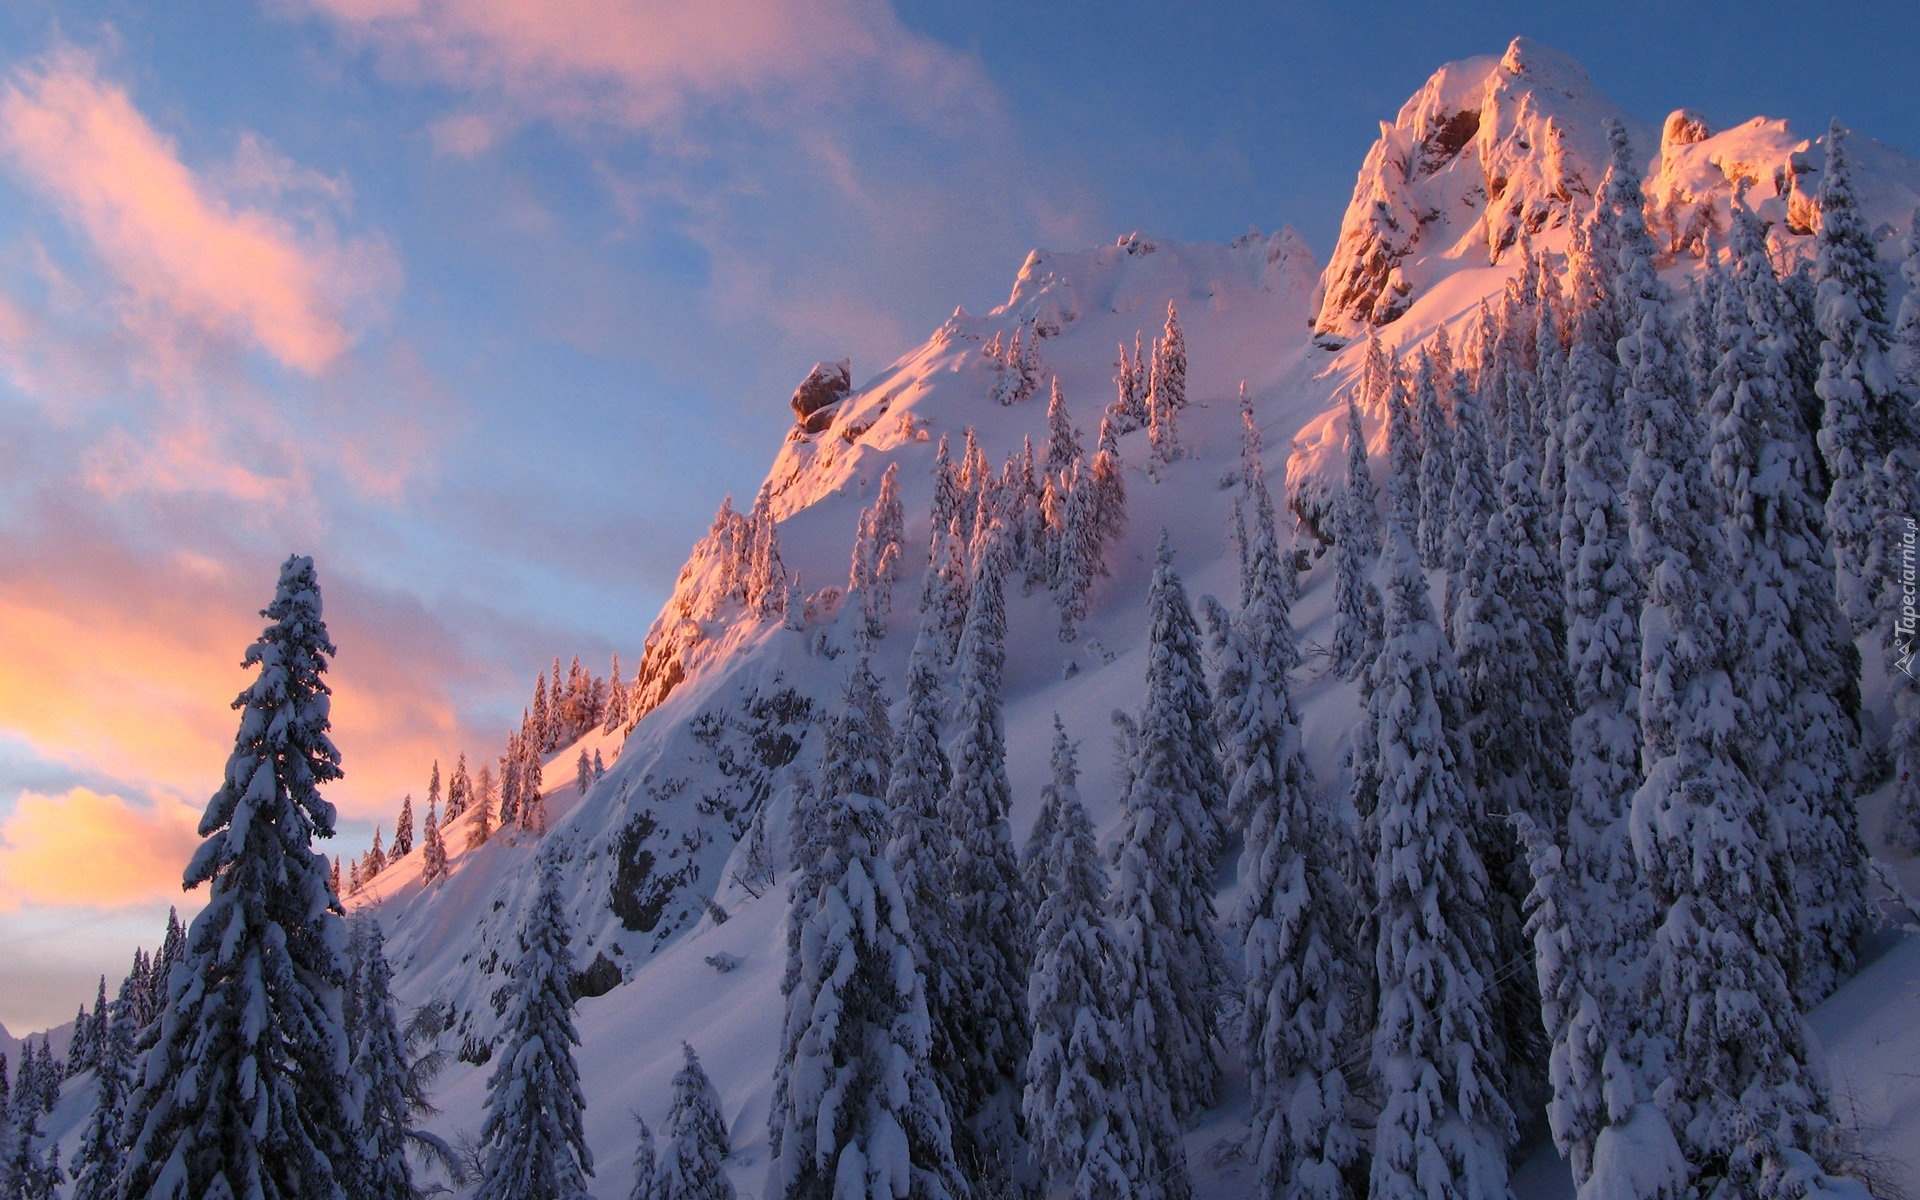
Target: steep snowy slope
(676, 937)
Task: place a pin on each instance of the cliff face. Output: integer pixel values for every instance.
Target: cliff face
(1489, 150)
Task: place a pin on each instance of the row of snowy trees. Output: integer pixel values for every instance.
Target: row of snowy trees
(259, 1052)
(934, 1041)
(1152, 391)
(1605, 841)
(1019, 373)
(1050, 515)
(1645, 663)
(512, 794)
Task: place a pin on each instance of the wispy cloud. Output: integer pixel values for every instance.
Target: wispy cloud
(819, 160)
(194, 254)
(648, 62)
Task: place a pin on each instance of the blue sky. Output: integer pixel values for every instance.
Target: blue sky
(488, 304)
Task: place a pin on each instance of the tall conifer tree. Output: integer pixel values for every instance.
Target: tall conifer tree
(244, 1092)
(532, 1139)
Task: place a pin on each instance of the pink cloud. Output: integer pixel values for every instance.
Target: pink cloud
(85, 847)
(638, 62)
(185, 458)
(190, 256)
(125, 663)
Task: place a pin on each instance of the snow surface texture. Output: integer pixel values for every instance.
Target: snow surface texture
(1441, 203)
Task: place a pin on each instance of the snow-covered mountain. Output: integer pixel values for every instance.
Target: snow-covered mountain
(1494, 151)
(1489, 152)
(677, 933)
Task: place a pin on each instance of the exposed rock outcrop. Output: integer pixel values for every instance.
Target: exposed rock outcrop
(825, 386)
(1489, 150)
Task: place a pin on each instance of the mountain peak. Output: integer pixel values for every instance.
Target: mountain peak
(1487, 151)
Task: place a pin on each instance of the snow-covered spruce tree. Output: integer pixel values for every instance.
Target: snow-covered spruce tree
(1063, 443)
(480, 828)
(1053, 520)
(583, 772)
(97, 1162)
(97, 1022)
(460, 784)
(1122, 409)
(1169, 378)
(946, 487)
(244, 1091)
(1548, 401)
(919, 846)
(539, 716)
(1078, 554)
(1356, 602)
(873, 695)
(861, 585)
(1605, 910)
(509, 811)
(1699, 331)
(433, 848)
(376, 857)
(646, 1177)
(1403, 460)
(26, 1172)
(1166, 395)
(1080, 1140)
(856, 1108)
(1109, 495)
(532, 1141)
(1020, 488)
(943, 593)
(988, 1017)
(1444, 1126)
(77, 1052)
(889, 522)
(617, 695)
(1867, 416)
(1742, 1096)
(693, 1162)
(1785, 626)
(379, 1079)
(1062, 787)
(1296, 916)
(1510, 645)
(1475, 490)
(976, 487)
(794, 615)
(1523, 760)
(80, 1052)
(533, 798)
(1436, 464)
(994, 526)
(1617, 1143)
(1365, 513)
(1167, 951)
(877, 549)
(768, 581)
